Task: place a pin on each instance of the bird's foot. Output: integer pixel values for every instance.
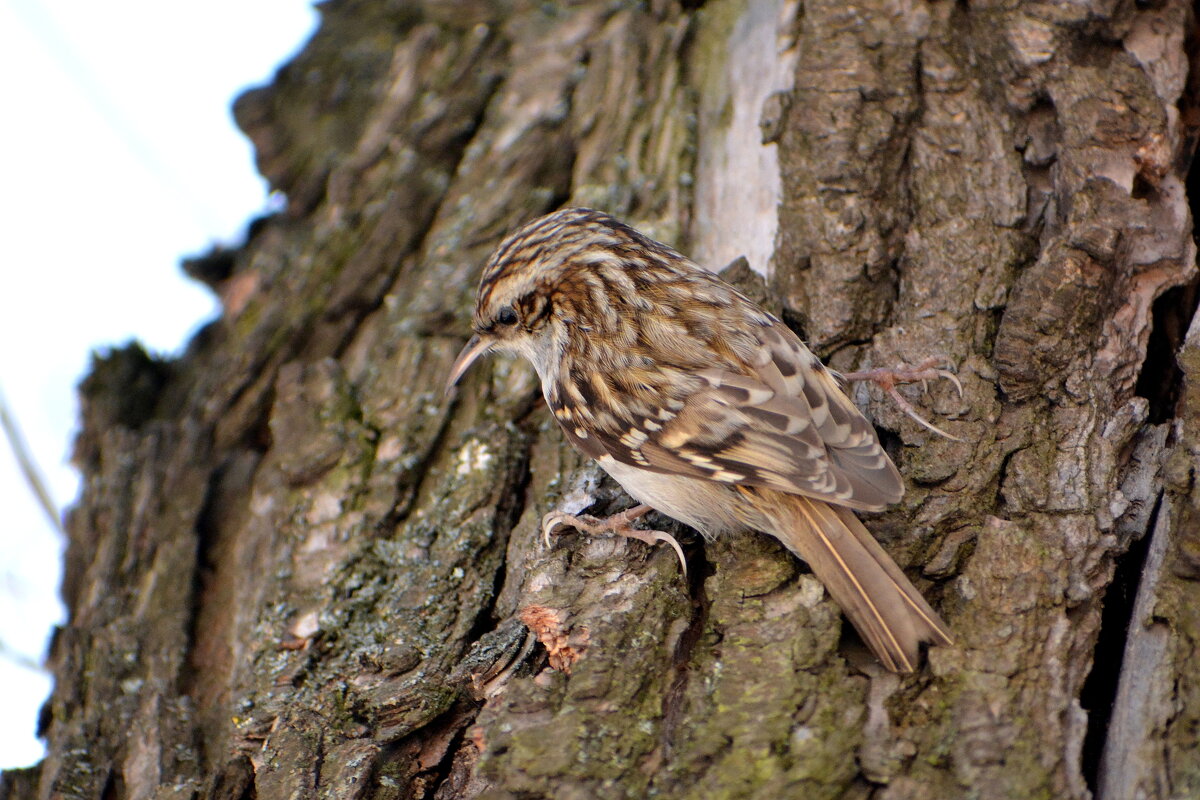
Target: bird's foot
(888, 379)
(617, 525)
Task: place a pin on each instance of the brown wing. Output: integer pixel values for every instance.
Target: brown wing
(781, 422)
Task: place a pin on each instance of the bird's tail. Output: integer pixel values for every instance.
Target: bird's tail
(887, 610)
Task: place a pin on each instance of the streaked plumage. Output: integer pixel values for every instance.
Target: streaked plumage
(701, 405)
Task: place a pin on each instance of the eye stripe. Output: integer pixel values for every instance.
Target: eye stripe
(536, 307)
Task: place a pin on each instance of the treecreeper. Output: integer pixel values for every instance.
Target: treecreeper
(702, 406)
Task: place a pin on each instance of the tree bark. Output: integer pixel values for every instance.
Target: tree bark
(298, 569)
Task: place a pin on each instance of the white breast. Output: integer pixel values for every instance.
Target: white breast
(707, 506)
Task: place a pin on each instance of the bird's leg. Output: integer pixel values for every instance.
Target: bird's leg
(617, 525)
(887, 379)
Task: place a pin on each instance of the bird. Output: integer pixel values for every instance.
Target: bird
(702, 406)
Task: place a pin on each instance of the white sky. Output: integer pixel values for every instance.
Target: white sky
(118, 156)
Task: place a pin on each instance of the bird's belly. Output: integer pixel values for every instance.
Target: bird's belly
(707, 506)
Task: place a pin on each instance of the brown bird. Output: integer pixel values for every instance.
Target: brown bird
(702, 406)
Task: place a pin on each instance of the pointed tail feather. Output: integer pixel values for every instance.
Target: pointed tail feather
(887, 610)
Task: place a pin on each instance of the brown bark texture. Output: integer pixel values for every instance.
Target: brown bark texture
(299, 570)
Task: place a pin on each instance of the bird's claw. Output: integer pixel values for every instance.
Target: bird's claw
(887, 379)
(652, 537)
(561, 519)
(616, 525)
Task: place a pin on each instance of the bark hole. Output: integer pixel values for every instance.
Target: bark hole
(114, 787)
(891, 441)
(1161, 380)
(438, 776)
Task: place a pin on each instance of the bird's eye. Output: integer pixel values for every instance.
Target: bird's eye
(506, 316)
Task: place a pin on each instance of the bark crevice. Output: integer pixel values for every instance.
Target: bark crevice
(1098, 695)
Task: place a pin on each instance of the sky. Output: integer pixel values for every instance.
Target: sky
(118, 157)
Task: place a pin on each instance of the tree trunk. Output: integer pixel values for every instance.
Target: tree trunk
(299, 570)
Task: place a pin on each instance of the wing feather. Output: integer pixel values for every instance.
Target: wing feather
(775, 418)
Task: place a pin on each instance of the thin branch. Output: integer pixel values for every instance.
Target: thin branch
(29, 468)
(11, 654)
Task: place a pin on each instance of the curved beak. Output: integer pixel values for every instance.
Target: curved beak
(474, 348)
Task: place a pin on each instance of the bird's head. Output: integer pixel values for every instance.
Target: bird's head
(538, 285)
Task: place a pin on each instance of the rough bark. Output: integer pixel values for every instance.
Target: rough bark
(299, 570)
